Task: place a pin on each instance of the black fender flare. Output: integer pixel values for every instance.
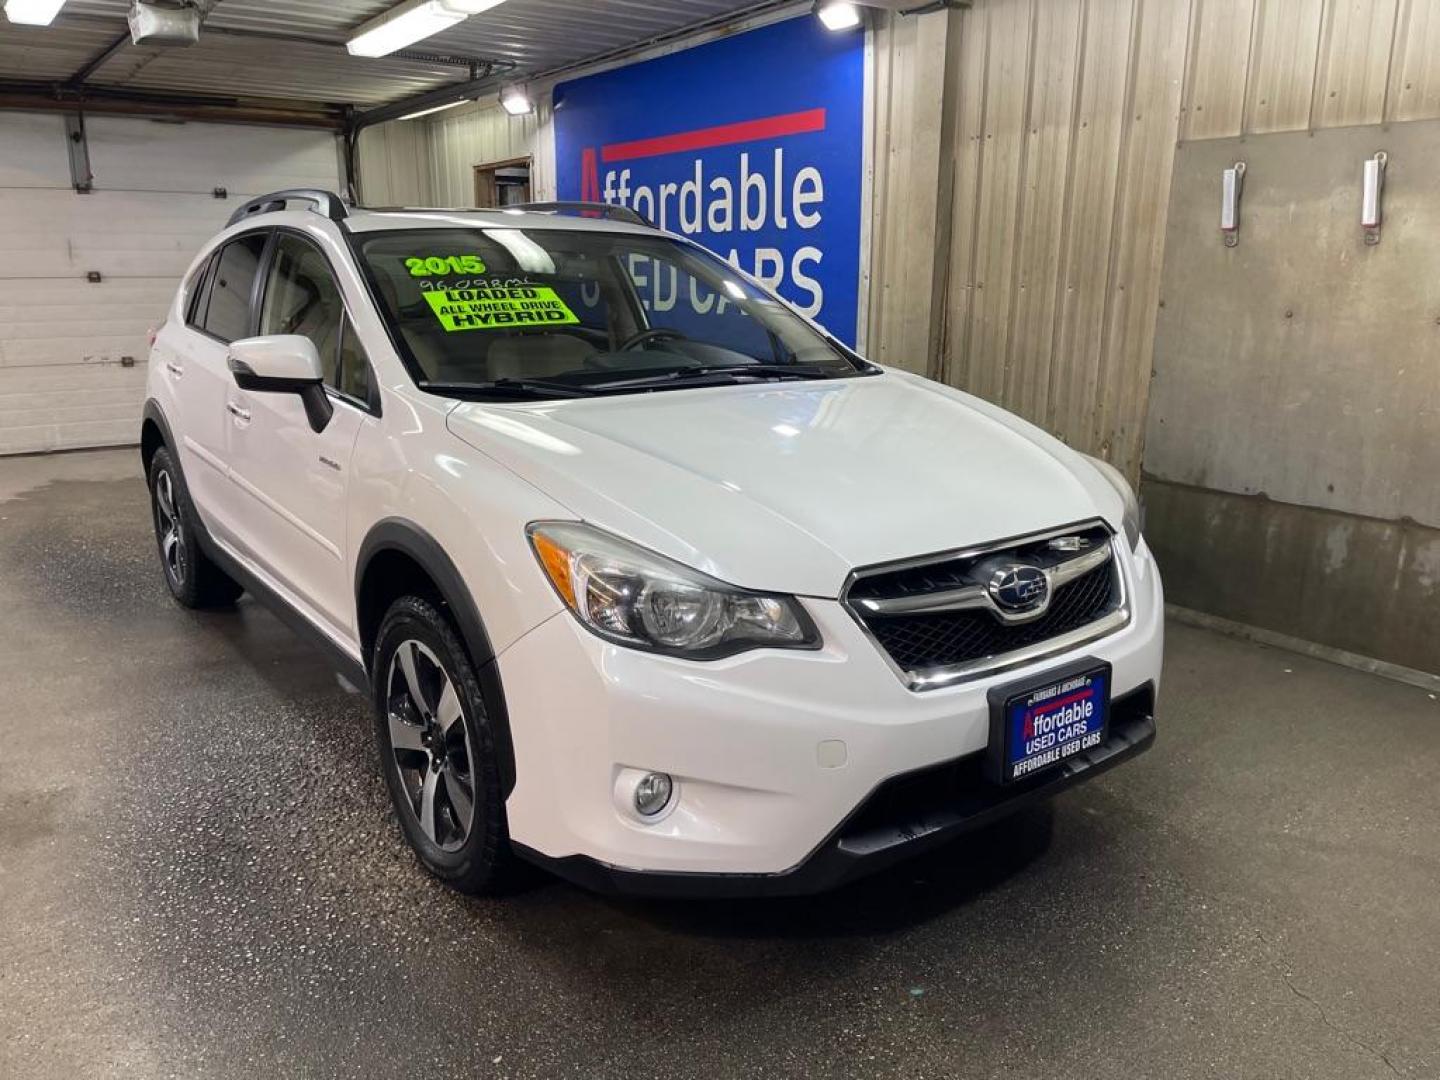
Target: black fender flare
(153, 413)
(398, 534)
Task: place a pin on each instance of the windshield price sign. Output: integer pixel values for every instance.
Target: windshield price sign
(498, 308)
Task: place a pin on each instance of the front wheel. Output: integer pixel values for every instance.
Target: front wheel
(436, 750)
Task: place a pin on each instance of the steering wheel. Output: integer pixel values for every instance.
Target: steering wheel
(655, 333)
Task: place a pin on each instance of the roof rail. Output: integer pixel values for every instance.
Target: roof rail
(322, 202)
(608, 211)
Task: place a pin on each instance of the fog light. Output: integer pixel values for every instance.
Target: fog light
(652, 793)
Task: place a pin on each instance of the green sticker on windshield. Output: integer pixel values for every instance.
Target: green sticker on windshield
(432, 265)
(499, 308)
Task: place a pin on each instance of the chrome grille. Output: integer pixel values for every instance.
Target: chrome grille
(948, 617)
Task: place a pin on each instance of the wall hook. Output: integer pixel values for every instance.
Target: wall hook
(1370, 201)
(1232, 180)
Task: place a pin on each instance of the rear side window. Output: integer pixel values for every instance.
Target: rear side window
(199, 292)
(227, 308)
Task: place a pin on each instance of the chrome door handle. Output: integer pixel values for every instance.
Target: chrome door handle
(237, 412)
(174, 369)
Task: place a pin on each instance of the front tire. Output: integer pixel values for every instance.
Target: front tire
(194, 580)
(437, 752)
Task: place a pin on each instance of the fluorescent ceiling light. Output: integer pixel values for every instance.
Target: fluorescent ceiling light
(408, 23)
(400, 27)
(515, 101)
(33, 12)
(434, 109)
(837, 15)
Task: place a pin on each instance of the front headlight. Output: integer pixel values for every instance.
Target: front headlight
(1123, 489)
(629, 595)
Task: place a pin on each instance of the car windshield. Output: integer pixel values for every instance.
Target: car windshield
(557, 312)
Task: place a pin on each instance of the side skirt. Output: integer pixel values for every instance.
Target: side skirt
(353, 671)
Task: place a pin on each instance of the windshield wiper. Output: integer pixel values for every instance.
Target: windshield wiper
(519, 388)
(721, 371)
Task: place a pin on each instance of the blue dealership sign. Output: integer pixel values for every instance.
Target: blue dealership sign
(751, 144)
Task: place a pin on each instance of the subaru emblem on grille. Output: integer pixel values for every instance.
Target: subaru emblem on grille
(1019, 587)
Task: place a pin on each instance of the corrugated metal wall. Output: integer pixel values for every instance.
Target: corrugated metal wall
(431, 161)
(906, 247)
(393, 161)
(1060, 120)
(478, 134)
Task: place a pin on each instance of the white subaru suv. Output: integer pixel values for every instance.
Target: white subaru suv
(652, 582)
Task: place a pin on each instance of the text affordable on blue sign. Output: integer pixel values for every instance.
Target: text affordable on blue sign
(753, 145)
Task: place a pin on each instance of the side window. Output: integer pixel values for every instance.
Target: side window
(227, 309)
(199, 292)
(354, 364)
(301, 297)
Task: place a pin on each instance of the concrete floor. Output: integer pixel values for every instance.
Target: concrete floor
(200, 876)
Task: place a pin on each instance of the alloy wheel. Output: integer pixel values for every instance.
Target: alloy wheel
(430, 745)
(169, 528)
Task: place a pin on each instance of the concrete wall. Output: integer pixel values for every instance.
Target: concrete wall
(1292, 465)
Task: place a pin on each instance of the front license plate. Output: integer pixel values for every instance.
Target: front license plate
(1039, 724)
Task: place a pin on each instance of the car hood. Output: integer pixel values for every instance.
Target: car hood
(788, 487)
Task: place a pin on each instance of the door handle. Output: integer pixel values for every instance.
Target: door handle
(236, 411)
(174, 369)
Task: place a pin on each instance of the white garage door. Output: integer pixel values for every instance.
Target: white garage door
(63, 339)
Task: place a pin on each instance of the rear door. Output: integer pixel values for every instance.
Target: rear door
(291, 480)
(220, 312)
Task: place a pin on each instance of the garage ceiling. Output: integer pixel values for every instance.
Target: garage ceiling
(295, 49)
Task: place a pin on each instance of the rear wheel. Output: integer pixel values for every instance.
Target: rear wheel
(436, 749)
(194, 580)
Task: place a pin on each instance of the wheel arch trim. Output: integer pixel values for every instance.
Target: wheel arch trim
(405, 537)
(154, 414)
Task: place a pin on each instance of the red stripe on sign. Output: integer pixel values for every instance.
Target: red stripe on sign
(770, 127)
(1059, 703)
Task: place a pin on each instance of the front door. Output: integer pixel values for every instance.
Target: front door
(293, 479)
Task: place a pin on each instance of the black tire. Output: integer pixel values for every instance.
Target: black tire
(445, 750)
(194, 581)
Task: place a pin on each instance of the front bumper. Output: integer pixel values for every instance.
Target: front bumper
(904, 817)
(789, 766)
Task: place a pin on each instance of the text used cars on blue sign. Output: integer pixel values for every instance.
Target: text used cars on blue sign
(752, 145)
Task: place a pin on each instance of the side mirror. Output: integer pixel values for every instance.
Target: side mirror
(283, 364)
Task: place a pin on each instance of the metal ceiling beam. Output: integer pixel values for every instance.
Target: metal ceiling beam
(51, 97)
(98, 60)
(474, 87)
